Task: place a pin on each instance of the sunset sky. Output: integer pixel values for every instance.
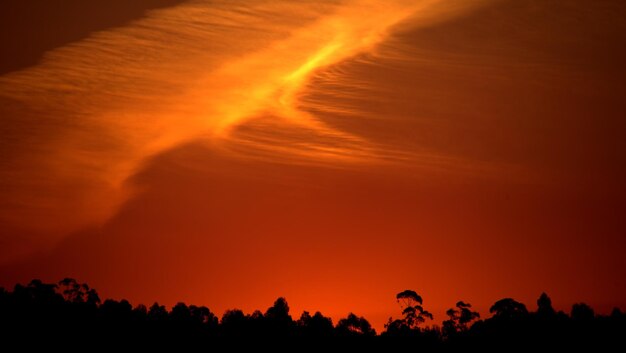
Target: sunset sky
(225, 153)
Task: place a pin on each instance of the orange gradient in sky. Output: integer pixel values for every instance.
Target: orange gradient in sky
(226, 153)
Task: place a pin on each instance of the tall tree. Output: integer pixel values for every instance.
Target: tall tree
(544, 306)
(508, 308)
(459, 318)
(355, 325)
(411, 305)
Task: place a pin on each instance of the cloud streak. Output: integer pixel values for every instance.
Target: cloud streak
(232, 73)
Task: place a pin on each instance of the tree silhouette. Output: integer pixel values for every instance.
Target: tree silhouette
(76, 292)
(180, 313)
(411, 305)
(317, 325)
(69, 312)
(508, 309)
(203, 316)
(544, 306)
(277, 320)
(408, 298)
(234, 318)
(157, 313)
(116, 312)
(582, 312)
(459, 318)
(279, 311)
(355, 325)
(616, 313)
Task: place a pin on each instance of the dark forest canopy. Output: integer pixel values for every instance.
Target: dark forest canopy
(39, 312)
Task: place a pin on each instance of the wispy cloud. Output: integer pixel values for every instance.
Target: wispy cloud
(230, 72)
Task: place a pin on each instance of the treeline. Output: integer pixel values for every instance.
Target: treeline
(40, 314)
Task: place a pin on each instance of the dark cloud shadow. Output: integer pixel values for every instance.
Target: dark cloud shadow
(29, 28)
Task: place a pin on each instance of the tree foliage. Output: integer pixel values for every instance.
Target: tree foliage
(72, 312)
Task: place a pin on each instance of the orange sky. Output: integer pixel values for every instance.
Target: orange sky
(226, 153)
